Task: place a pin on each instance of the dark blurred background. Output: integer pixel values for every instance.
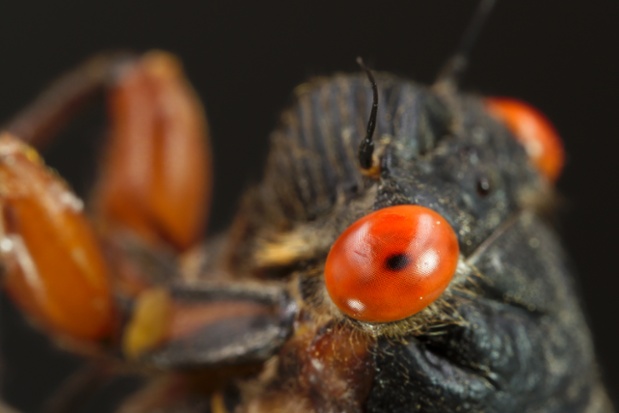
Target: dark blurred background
(244, 59)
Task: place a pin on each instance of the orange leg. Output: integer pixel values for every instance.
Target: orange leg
(110, 286)
(54, 267)
(154, 186)
(155, 179)
(39, 123)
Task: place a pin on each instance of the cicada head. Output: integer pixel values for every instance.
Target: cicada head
(430, 285)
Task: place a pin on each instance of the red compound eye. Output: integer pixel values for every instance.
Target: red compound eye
(391, 263)
(534, 131)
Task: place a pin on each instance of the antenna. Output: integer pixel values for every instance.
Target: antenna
(366, 148)
(451, 72)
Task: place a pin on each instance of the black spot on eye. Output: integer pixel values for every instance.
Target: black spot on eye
(484, 186)
(397, 262)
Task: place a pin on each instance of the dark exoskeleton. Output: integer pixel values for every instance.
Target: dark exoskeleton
(507, 336)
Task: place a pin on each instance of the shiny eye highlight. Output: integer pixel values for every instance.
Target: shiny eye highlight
(534, 131)
(391, 263)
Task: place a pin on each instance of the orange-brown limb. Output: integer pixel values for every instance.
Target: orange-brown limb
(208, 324)
(53, 262)
(155, 181)
(154, 185)
(53, 109)
(156, 176)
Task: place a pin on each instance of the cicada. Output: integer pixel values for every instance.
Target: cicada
(402, 266)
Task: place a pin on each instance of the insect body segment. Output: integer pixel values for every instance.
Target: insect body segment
(474, 348)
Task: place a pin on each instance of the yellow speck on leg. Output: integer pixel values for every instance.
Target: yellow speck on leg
(149, 322)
